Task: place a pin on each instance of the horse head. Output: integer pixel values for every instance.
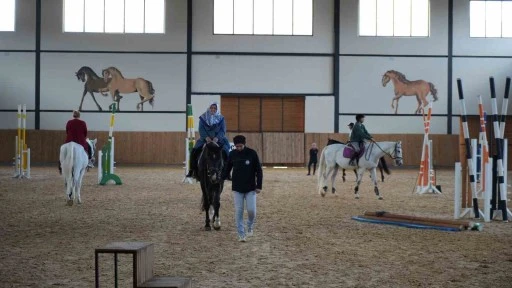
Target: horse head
(106, 74)
(92, 146)
(397, 154)
(80, 74)
(213, 162)
(385, 78)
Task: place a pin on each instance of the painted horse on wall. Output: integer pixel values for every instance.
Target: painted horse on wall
(404, 87)
(118, 84)
(93, 84)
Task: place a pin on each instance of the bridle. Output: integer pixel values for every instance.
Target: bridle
(395, 151)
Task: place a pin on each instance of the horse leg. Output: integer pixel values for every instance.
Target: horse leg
(343, 176)
(82, 102)
(142, 105)
(333, 177)
(359, 176)
(323, 178)
(418, 109)
(79, 186)
(94, 98)
(396, 98)
(381, 173)
(216, 207)
(376, 188)
(142, 102)
(207, 226)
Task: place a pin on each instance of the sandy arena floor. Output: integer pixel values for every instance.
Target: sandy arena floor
(301, 239)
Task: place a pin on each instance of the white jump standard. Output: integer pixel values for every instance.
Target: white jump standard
(22, 152)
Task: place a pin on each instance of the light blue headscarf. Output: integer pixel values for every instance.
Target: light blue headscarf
(212, 119)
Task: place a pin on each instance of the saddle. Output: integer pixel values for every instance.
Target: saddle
(350, 152)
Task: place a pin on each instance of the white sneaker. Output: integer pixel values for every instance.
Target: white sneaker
(250, 233)
(241, 238)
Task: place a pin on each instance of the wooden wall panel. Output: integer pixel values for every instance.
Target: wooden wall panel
(294, 114)
(229, 109)
(130, 147)
(249, 117)
(169, 147)
(283, 148)
(272, 114)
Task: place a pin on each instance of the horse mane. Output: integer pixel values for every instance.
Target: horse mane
(88, 70)
(400, 76)
(116, 70)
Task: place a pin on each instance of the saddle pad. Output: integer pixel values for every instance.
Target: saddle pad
(348, 152)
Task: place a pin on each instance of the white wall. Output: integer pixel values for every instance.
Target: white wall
(123, 121)
(319, 114)
(321, 41)
(24, 38)
(464, 45)
(17, 80)
(475, 81)
(174, 40)
(361, 89)
(360, 77)
(261, 74)
(9, 120)
(352, 43)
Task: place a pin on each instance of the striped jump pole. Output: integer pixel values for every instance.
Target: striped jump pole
(190, 141)
(471, 163)
(484, 145)
(502, 189)
(426, 178)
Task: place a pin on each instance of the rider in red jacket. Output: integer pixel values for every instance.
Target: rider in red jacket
(76, 131)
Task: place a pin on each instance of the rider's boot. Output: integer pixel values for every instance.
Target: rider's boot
(193, 163)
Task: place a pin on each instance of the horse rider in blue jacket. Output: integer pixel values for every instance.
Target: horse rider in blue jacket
(212, 128)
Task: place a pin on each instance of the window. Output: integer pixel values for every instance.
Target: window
(114, 16)
(7, 15)
(395, 18)
(263, 17)
(490, 19)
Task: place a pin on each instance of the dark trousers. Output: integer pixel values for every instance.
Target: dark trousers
(314, 167)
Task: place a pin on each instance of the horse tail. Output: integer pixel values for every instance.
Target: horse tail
(321, 170)
(384, 165)
(67, 161)
(433, 90)
(151, 92)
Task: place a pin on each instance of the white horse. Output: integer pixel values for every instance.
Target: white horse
(74, 160)
(332, 158)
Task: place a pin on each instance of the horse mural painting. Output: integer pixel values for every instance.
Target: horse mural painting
(404, 87)
(338, 156)
(93, 84)
(74, 160)
(210, 167)
(119, 84)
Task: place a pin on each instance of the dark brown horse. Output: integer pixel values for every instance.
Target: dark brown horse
(93, 84)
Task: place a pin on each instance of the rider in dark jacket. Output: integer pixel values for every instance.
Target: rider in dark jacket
(358, 136)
